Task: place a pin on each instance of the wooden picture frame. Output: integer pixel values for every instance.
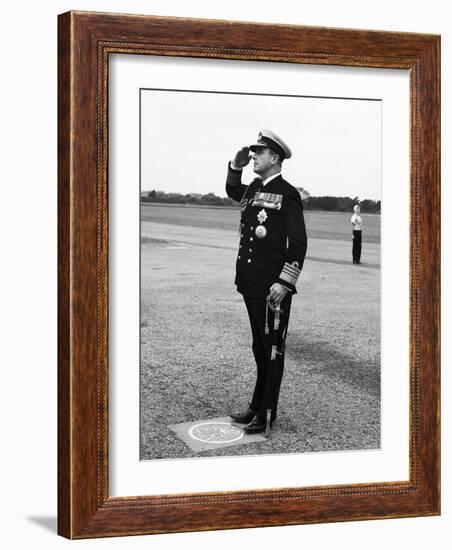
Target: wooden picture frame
(85, 42)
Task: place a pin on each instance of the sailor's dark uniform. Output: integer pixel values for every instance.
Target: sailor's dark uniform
(272, 249)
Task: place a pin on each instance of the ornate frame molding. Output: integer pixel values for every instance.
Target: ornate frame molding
(85, 42)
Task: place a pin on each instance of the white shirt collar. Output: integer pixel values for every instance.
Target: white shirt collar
(264, 182)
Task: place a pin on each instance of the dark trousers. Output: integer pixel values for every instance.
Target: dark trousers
(356, 246)
(269, 373)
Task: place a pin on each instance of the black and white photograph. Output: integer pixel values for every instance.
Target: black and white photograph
(259, 273)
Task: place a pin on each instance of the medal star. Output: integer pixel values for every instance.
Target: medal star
(262, 216)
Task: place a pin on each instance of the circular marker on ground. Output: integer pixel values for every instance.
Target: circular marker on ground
(215, 432)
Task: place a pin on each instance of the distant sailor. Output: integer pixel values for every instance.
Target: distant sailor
(271, 253)
(357, 225)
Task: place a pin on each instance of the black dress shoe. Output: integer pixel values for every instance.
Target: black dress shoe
(256, 426)
(243, 417)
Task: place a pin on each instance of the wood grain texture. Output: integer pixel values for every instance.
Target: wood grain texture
(85, 42)
(64, 295)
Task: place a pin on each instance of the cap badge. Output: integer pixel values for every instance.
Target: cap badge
(259, 136)
(262, 216)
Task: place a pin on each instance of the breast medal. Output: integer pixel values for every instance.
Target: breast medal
(272, 201)
(261, 230)
(262, 216)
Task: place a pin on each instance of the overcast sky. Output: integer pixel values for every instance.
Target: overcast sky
(187, 139)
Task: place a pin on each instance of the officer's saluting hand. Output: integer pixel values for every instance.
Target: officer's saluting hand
(241, 158)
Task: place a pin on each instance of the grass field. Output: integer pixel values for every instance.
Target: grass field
(320, 225)
(196, 359)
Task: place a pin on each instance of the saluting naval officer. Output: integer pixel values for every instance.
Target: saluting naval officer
(271, 253)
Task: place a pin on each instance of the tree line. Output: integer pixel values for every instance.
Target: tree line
(326, 203)
(341, 204)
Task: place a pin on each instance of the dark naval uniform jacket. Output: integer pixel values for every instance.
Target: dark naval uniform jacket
(274, 254)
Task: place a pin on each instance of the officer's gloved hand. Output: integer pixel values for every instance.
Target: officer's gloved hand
(241, 158)
(276, 295)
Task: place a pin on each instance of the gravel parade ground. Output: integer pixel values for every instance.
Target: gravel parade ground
(196, 358)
